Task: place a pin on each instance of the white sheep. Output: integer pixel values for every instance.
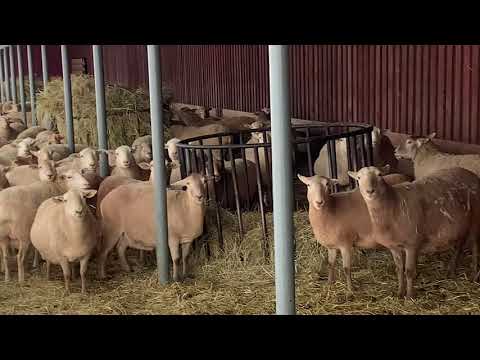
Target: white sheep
(65, 231)
(125, 164)
(142, 149)
(18, 206)
(340, 221)
(433, 214)
(128, 220)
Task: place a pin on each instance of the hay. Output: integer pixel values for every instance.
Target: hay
(128, 115)
(239, 281)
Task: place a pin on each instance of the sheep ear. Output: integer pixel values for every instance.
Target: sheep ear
(304, 179)
(353, 175)
(88, 194)
(58, 199)
(384, 170)
(432, 135)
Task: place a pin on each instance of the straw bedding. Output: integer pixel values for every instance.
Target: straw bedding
(240, 281)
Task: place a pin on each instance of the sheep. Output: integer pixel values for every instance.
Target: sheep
(86, 159)
(142, 149)
(9, 107)
(127, 220)
(18, 206)
(17, 150)
(427, 157)
(31, 132)
(65, 231)
(429, 215)
(61, 151)
(125, 164)
(48, 137)
(25, 174)
(383, 154)
(16, 124)
(263, 152)
(340, 221)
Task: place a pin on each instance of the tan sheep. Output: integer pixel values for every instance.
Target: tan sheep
(61, 151)
(18, 206)
(65, 231)
(29, 174)
(264, 153)
(429, 215)
(127, 220)
(6, 132)
(86, 159)
(125, 164)
(31, 132)
(340, 221)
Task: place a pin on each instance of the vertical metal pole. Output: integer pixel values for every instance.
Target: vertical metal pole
(13, 83)
(155, 89)
(282, 180)
(67, 91)
(101, 112)
(2, 85)
(44, 66)
(6, 77)
(21, 84)
(31, 80)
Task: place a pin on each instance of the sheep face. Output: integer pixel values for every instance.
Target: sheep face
(75, 180)
(144, 150)
(123, 157)
(370, 181)
(74, 202)
(88, 159)
(318, 189)
(194, 185)
(46, 170)
(24, 147)
(172, 149)
(409, 148)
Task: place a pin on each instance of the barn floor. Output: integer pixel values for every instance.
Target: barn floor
(241, 282)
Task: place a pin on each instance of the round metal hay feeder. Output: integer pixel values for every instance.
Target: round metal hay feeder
(230, 187)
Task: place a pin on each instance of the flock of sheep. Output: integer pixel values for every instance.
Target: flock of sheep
(57, 202)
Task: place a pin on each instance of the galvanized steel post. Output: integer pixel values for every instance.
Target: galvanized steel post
(155, 90)
(282, 180)
(100, 103)
(67, 90)
(6, 77)
(13, 83)
(21, 85)
(2, 95)
(44, 65)
(31, 80)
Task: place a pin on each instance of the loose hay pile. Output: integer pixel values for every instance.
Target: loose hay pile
(128, 113)
(241, 282)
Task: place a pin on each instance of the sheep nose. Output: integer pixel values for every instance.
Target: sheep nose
(92, 164)
(79, 212)
(199, 197)
(126, 163)
(370, 191)
(320, 203)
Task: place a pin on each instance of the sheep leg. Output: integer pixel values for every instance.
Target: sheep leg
(399, 263)
(185, 252)
(22, 251)
(332, 256)
(48, 270)
(109, 241)
(347, 266)
(411, 270)
(121, 249)
(66, 275)
(83, 272)
(36, 259)
(452, 267)
(175, 254)
(141, 258)
(4, 247)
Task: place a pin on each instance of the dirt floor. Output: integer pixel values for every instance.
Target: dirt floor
(240, 281)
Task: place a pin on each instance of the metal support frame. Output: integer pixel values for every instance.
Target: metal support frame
(282, 180)
(31, 80)
(44, 65)
(67, 88)
(161, 221)
(21, 84)
(2, 94)
(100, 104)
(13, 83)
(6, 77)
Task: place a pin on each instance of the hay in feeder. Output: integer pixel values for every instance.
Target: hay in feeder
(240, 281)
(128, 113)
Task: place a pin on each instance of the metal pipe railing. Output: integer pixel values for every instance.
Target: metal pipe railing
(67, 91)
(13, 83)
(44, 66)
(6, 77)
(21, 84)
(161, 221)
(2, 93)
(31, 80)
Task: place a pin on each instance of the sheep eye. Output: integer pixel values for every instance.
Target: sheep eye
(69, 177)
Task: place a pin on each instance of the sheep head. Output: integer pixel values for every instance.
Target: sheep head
(194, 185)
(144, 150)
(409, 148)
(319, 189)
(46, 170)
(74, 202)
(75, 180)
(370, 181)
(123, 157)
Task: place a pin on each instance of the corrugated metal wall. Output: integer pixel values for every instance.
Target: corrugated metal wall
(405, 88)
